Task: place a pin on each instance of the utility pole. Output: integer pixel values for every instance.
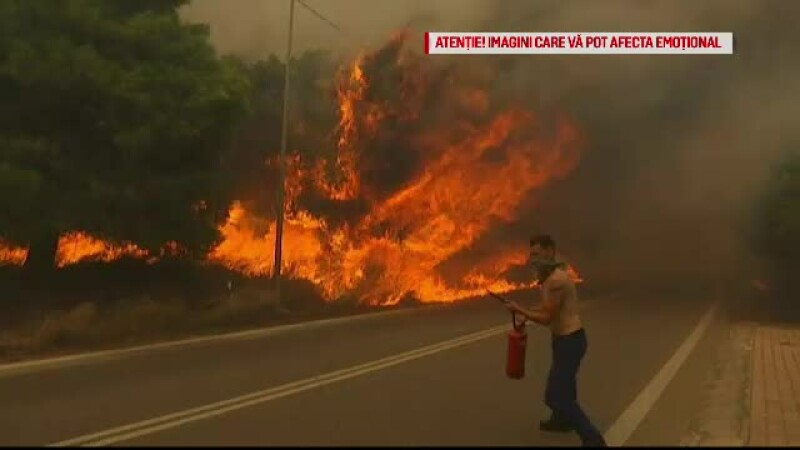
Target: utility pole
(282, 161)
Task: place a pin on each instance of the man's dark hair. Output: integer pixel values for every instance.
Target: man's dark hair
(544, 241)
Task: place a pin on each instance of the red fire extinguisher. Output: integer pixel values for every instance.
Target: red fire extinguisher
(517, 345)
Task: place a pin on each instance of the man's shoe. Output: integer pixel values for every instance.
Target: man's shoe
(555, 426)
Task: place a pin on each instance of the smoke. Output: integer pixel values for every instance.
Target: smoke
(258, 28)
(678, 146)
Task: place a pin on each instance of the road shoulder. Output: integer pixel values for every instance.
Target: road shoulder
(753, 396)
(721, 418)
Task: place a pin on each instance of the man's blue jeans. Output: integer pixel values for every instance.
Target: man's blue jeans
(561, 394)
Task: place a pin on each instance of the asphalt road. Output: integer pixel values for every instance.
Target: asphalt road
(397, 379)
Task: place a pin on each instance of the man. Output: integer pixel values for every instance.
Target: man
(559, 311)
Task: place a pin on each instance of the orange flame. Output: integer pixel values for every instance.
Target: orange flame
(351, 94)
(11, 254)
(249, 244)
(77, 246)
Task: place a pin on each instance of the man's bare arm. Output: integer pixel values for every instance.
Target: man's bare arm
(536, 315)
(544, 313)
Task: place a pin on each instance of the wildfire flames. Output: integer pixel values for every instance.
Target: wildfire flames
(474, 166)
(76, 247)
(11, 254)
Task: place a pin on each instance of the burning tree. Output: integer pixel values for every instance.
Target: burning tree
(112, 122)
(425, 164)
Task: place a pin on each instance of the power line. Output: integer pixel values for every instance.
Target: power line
(320, 15)
(330, 22)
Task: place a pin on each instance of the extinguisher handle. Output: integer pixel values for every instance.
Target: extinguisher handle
(519, 326)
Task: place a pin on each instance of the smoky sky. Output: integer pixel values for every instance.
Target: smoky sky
(677, 147)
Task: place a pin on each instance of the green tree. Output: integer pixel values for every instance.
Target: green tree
(778, 230)
(114, 120)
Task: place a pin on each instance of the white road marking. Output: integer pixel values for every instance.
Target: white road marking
(134, 430)
(629, 420)
(83, 358)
